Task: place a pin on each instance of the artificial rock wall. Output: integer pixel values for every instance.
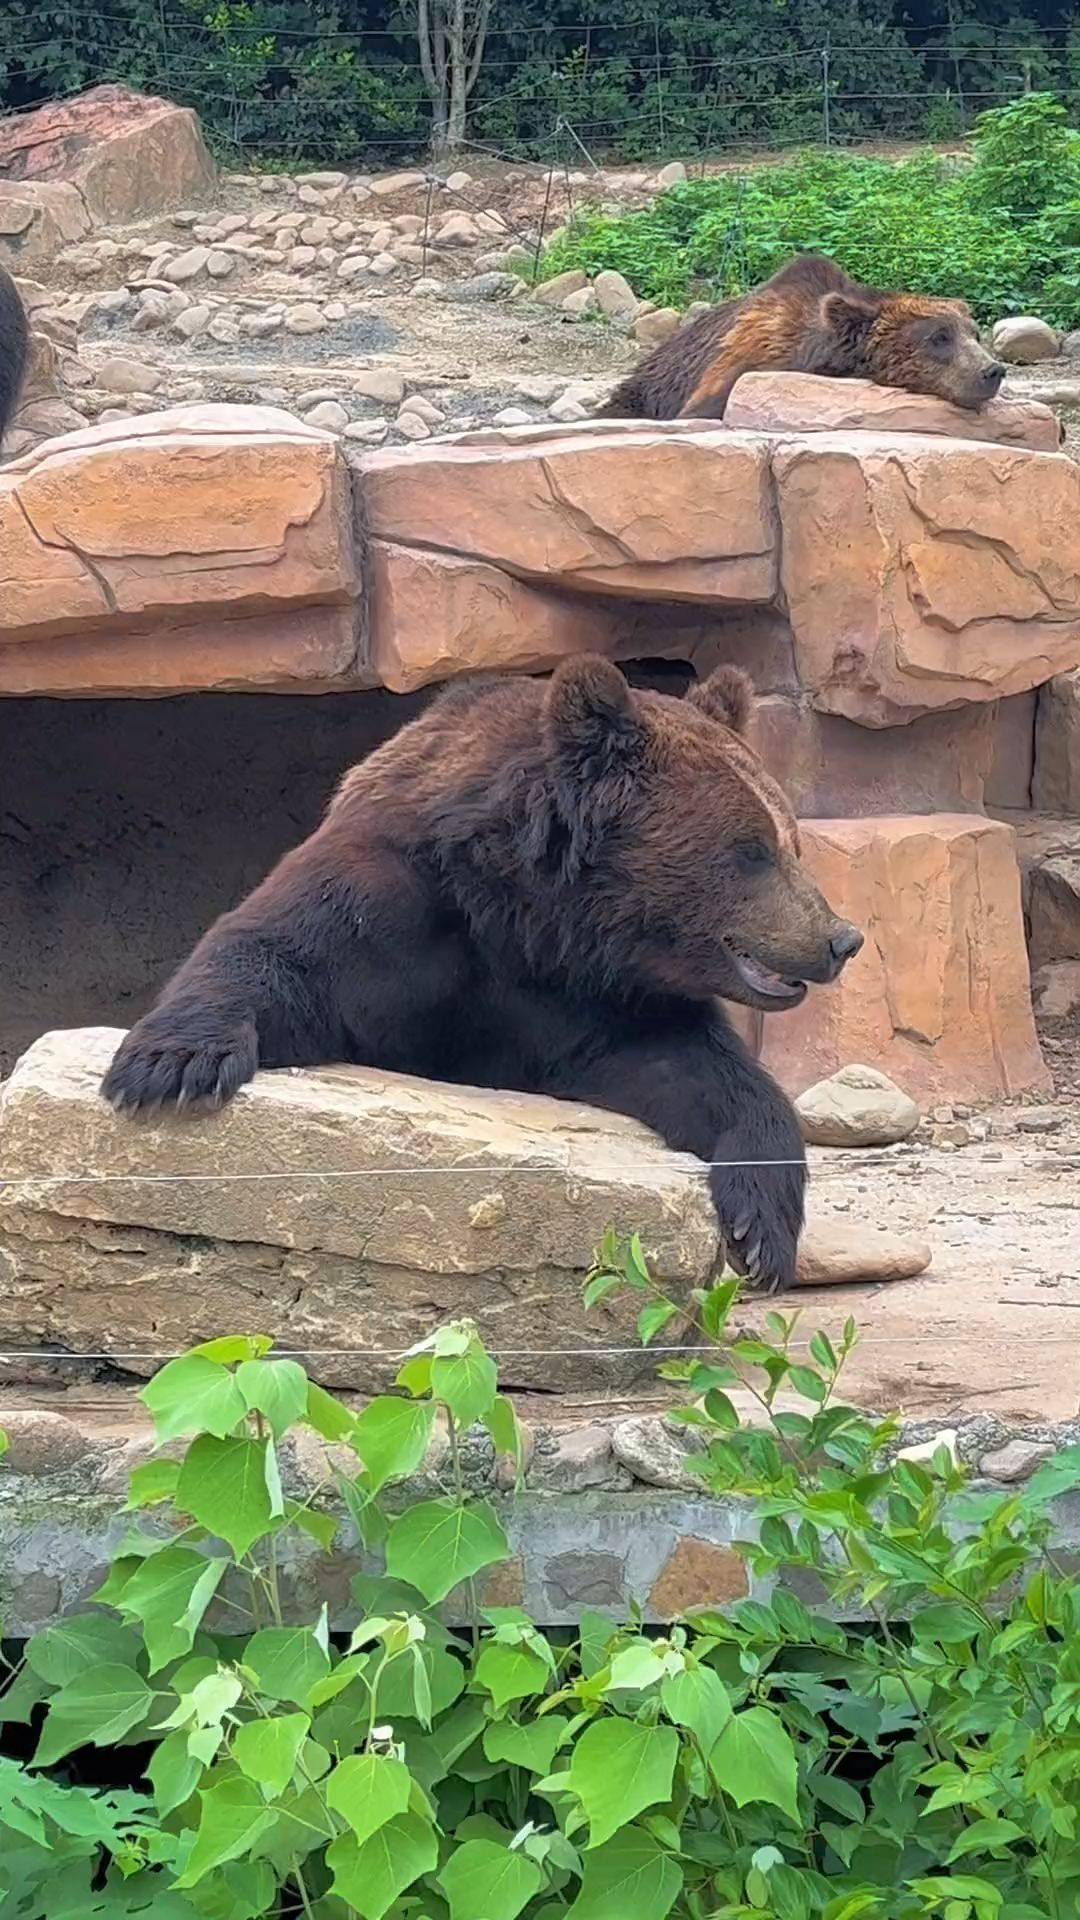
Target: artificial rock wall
(887, 582)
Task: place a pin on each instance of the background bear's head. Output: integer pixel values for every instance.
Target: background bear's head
(693, 848)
(908, 340)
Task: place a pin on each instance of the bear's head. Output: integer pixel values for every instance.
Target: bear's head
(687, 849)
(906, 340)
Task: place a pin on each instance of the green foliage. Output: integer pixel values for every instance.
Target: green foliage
(766, 1761)
(1001, 231)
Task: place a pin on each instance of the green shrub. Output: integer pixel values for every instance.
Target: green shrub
(1001, 231)
(765, 1762)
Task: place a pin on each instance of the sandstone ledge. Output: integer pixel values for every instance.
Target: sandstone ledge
(206, 547)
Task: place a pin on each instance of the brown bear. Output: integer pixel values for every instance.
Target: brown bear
(14, 340)
(541, 886)
(812, 318)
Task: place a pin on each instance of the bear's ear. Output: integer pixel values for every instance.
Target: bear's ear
(727, 696)
(847, 318)
(591, 716)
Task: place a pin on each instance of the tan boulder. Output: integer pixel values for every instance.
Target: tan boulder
(831, 767)
(432, 615)
(452, 1202)
(208, 546)
(836, 1253)
(128, 155)
(38, 219)
(939, 998)
(923, 573)
(648, 515)
(781, 402)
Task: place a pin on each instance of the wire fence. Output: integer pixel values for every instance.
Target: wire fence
(271, 88)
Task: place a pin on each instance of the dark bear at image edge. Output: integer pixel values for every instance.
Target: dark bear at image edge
(540, 886)
(14, 338)
(811, 317)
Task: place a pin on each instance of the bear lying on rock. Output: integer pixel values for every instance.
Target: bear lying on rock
(541, 887)
(812, 318)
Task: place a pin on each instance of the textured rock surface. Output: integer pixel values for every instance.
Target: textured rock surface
(1023, 339)
(834, 1252)
(939, 997)
(923, 573)
(38, 219)
(1055, 784)
(857, 1107)
(127, 154)
(463, 1202)
(830, 766)
(808, 402)
(206, 547)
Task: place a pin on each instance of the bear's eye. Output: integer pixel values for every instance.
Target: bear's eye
(753, 856)
(941, 339)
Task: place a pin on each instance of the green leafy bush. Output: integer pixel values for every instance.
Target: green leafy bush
(767, 1761)
(1001, 231)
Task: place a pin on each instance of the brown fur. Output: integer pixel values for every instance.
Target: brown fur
(812, 318)
(542, 887)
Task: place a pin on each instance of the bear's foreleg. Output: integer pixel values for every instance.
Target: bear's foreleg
(703, 1094)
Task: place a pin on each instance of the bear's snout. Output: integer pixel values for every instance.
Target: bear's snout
(846, 942)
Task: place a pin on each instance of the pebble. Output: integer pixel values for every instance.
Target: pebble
(304, 319)
(380, 383)
(329, 414)
(192, 322)
(369, 432)
(353, 266)
(425, 410)
(1016, 1460)
(186, 265)
(219, 265)
(128, 376)
(299, 258)
(615, 295)
(412, 426)
(832, 1251)
(578, 305)
(382, 265)
(566, 409)
(512, 417)
(857, 1107)
(672, 175)
(923, 1451)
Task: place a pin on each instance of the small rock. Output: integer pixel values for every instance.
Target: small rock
(651, 328)
(457, 182)
(552, 293)
(192, 322)
(923, 1451)
(512, 417)
(411, 425)
(458, 230)
(651, 1453)
(219, 265)
(1057, 989)
(1039, 1120)
(490, 286)
(187, 265)
(383, 265)
(567, 409)
(368, 432)
(317, 232)
(381, 384)
(834, 1251)
(671, 176)
(582, 1459)
(304, 319)
(857, 1107)
(541, 387)
(1023, 339)
(352, 267)
(334, 310)
(329, 414)
(110, 415)
(114, 301)
(41, 1442)
(578, 305)
(615, 295)
(300, 258)
(224, 330)
(950, 1138)
(314, 396)
(1016, 1460)
(426, 410)
(324, 182)
(396, 183)
(428, 289)
(259, 326)
(128, 376)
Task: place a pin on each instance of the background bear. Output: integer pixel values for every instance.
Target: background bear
(13, 343)
(542, 887)
(812, 318)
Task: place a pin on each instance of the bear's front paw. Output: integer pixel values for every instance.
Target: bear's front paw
(155, 1067)
(760, 1210)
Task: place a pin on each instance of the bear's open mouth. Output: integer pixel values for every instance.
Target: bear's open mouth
(763, 981)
